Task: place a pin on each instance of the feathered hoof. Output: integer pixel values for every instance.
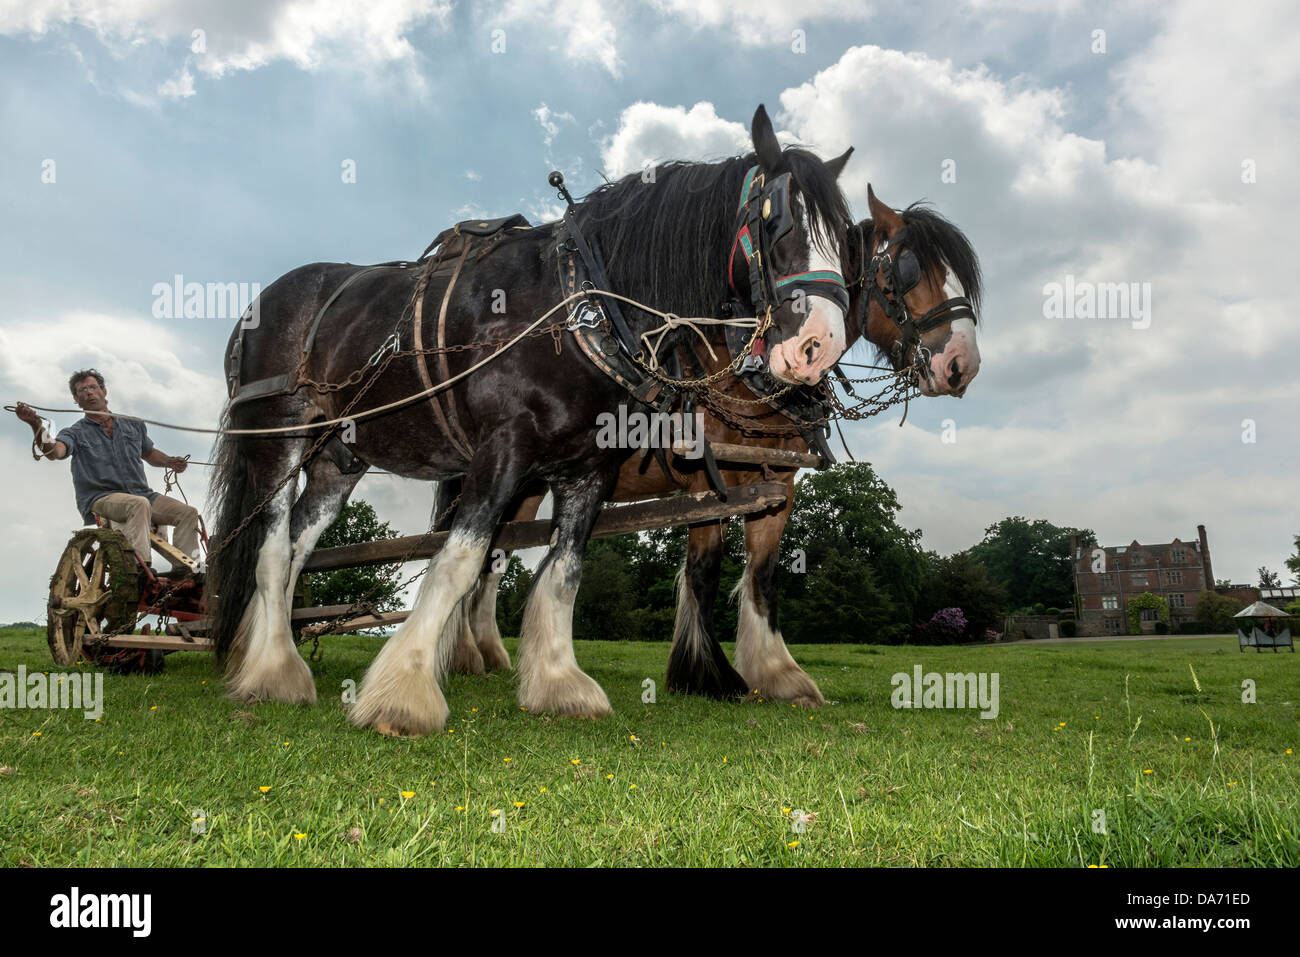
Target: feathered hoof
(495, 657)
(704, 677)
(571, 694)
(789, 684)
(466, 660)
(289, 680)
(399, 703)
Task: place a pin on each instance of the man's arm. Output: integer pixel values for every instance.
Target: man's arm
(158, 457)
(50, 447)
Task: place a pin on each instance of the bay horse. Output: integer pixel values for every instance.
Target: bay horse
(529, 414)
(942, 266)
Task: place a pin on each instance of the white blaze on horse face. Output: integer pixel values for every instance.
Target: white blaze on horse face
(958, 362)
(806, 356)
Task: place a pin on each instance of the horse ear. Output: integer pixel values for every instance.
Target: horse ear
(765, 142)
(836, 166)
(887, 221)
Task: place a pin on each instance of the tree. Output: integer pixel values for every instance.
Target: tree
(1293, 563)
(512, 593)
(1268, 579)
(851, 512)
(605, 600)
(959, 581)
(1031, 560)
(843, 603)
(376, 584)
(1214, 612)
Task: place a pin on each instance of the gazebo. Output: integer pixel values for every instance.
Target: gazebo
(1273, 635)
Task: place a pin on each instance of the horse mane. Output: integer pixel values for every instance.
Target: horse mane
(667, 243)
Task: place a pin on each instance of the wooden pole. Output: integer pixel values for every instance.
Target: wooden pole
(686, 509)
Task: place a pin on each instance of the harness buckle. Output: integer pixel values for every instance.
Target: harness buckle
(391, 344)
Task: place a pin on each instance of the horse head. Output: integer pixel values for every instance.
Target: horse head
(916, 293)
(791, 232)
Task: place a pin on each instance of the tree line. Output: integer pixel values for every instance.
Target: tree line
(850, 572)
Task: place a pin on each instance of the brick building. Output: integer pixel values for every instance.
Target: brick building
(1106, 578)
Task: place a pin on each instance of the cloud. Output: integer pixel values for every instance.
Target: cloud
(584, 30)
(225, 37)
(550, 122)
(765, 21)
(650, 133)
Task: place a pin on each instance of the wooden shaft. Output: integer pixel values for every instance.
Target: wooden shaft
(686, 509)
(753, 455)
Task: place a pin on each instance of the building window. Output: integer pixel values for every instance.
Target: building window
(1112, 626)
(1148, 614)
(1110, 601)
(1176, 600)
(1107, 580)
(1179, 556)
(1174, 578)
(1137, 558)
(1140, 581)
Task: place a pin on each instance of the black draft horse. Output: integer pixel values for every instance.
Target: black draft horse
(530, 414)
(937, 266)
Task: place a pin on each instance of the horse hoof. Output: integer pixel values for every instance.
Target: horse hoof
(571, 695)
(389, 730)
(789, 685)
(289, 683)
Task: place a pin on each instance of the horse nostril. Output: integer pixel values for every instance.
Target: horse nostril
(810, 350)
(954, 380)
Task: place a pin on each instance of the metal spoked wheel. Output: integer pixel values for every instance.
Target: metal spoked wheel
(93, 592)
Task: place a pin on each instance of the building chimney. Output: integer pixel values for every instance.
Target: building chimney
(1205, 558)
(1074, 549)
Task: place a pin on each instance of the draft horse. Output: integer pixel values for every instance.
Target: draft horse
(914, 294)
(528, 415)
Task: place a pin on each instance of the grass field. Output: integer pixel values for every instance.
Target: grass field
(1184, 777)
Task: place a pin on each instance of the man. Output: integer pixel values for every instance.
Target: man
(106, 472)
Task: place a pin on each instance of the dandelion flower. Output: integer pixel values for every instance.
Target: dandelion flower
(460, 807)
(496, 811)
(154, 708)
(609, 777)
(286, 744)
(1187, 739)
(785, 810)
(451, 730)
(519, 804)
(793, 844)
(473, 709)
(1231, 783)
(1288, 750)
(507, 760)
(1148, 771)
(299, 836)
(408, 794)
(37, 734)
(576, 761)
(264, 788)
(542, 791)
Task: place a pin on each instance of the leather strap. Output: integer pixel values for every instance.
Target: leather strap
(422, 365)
(457, 434)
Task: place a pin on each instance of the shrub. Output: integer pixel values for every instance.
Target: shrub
(1068, 628)
(948, 626)
(1040, 608)
(1054, 611)
(1142, 601)
(1162, 628)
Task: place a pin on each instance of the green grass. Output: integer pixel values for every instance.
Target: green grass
(703, 783)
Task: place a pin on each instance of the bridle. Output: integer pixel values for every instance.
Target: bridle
(763, 218)
(902, 271)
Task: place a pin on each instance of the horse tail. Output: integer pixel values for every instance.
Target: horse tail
(231, 578)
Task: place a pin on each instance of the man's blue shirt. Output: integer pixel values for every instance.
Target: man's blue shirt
(102, 465)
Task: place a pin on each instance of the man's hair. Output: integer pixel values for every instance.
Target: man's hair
(85, 374)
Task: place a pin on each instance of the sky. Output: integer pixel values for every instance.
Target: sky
(1078, 146)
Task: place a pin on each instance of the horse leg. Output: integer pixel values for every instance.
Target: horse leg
(323, 497)
(483, 606)
(697, 663)
(400, 694)
(465, 658)
(264, 663)
(549, 676)
(761, 655)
